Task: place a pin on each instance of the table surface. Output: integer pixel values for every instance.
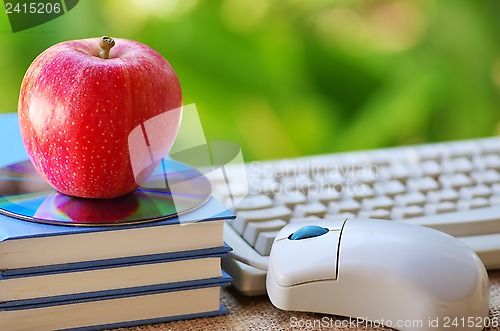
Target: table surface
(257, 313)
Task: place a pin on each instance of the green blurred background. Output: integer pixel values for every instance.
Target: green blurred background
(297, 77)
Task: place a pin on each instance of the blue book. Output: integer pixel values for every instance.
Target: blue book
(26, 245)
(102, 280)
(187, 300)
(110, 263)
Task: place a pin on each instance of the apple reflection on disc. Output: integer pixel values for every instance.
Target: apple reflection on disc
(25, 195)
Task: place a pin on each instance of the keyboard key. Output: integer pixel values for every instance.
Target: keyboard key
(433, 152)
(320, 165)
(264, 242)
(455, 181)
(495, 200)
(396, 171)
(253, 230)
(290, 200)
(462, 149)
(489, 146)
(222, 192)
(479, 203)
(463, 223)
(325, 195)
(440, 208)
(473, 204)
(429, 168)
(254, 202)
(442, 195)
(301, 183)
(409, 199)
(350, 162)
(267, 186)
(339, 216)
(332, 178)
(311, 209)
(365, 176)
(304, 219)
(423, 185)
(495, 189)
(383, 214)
(460, 165)
(381, 159)
(358, 192)
(350, 206)
(490, 161)
(284, 168)
(380, 202)
(259, 215)
(390, 188)
(406, 212)
(479, 191)
(487, 177)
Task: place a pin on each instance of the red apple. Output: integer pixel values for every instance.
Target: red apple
(80, 101)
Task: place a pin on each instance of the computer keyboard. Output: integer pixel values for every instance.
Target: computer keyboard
(453, 187)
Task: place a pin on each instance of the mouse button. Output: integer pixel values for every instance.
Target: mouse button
(308, 231)
(293, 262)
(293, 227)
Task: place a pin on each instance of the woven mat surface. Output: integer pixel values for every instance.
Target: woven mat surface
(257, 313)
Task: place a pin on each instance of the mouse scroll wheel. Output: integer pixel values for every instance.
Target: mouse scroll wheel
(308, 231)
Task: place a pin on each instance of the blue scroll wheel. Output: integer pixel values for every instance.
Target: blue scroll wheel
(308, 231)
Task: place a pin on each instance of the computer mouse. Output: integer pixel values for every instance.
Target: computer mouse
(398, 275)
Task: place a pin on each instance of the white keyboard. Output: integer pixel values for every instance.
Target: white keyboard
(453, 187)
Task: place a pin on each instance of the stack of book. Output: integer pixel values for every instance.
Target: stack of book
(62, 277)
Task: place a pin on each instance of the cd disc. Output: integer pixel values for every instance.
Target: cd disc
(172, 190)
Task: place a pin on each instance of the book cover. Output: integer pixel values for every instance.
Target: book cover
(15, 229)
(25, 245)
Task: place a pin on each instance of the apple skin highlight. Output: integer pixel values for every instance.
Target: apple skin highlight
(76, 111)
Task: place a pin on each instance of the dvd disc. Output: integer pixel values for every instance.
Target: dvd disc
(172, 190)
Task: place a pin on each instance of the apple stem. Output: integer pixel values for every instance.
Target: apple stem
(106, 43)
